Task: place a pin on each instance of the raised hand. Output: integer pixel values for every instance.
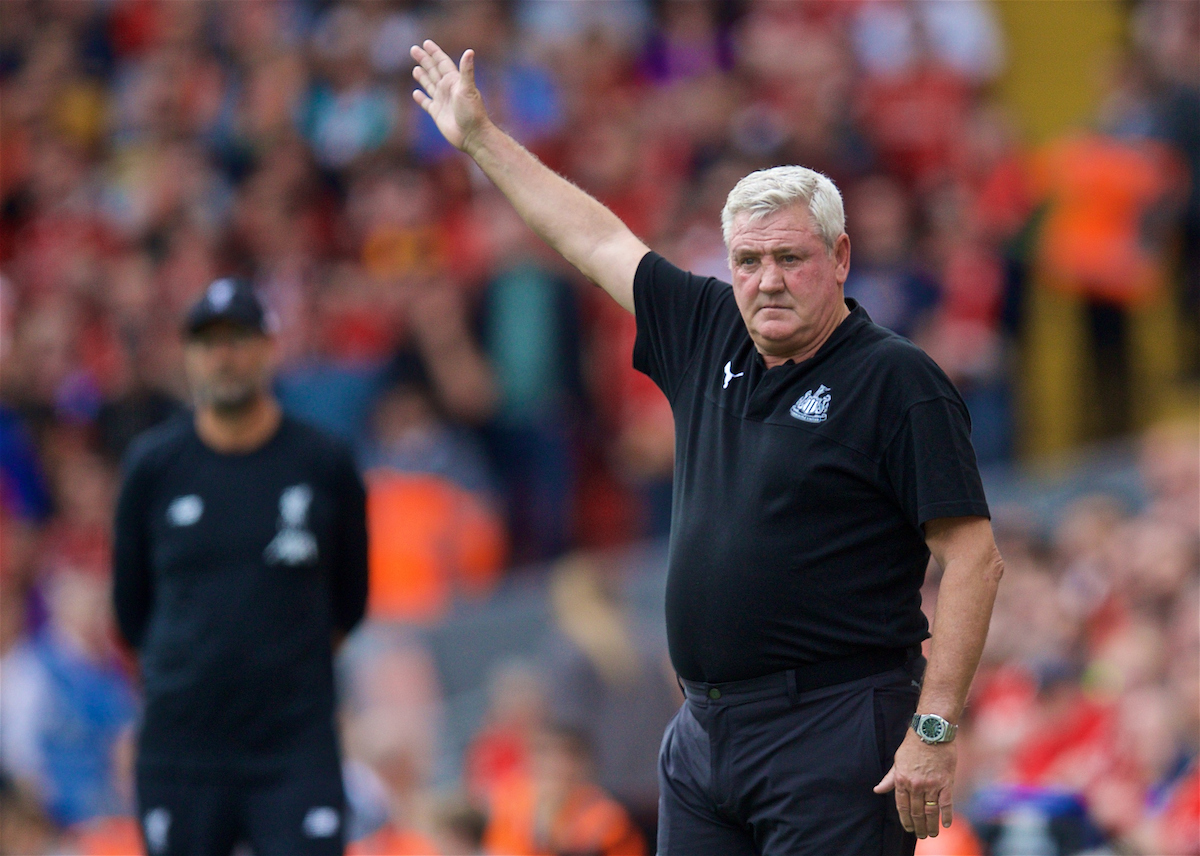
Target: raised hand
(448, 93)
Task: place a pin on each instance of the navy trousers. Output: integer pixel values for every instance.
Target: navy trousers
(757, 767)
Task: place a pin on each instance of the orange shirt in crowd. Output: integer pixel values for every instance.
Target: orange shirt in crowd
(109, 836)
(428, 539)
(589, 822)
(390, 841)
(958, 840)
(1101, 191)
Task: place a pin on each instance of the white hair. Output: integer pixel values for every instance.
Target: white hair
(768, 190)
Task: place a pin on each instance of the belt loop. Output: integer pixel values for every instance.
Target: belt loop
(793, 694)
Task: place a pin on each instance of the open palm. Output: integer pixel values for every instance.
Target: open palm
(448, 93)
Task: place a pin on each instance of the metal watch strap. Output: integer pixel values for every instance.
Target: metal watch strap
(947, 728)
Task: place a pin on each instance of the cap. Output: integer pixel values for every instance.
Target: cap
(228, 300)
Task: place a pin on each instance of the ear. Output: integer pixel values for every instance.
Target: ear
(841, 258)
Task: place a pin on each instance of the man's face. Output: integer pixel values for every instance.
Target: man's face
(787, 284)
(228, 366)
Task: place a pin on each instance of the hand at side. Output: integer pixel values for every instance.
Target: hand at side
(923, 778)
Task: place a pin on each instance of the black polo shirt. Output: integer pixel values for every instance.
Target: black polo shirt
(799, 491)
(231, 573)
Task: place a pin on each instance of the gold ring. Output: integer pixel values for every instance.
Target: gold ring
(931, 802)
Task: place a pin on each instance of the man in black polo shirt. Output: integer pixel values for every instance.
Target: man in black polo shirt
(820, 459)
(240, 561)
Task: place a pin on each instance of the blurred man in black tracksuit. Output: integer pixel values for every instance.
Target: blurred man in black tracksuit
(240, 561)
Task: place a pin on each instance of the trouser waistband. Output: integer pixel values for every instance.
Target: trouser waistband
(808, 677)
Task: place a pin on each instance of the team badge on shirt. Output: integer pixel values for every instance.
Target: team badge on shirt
(729, 374)
(293, 544)
(812, 406)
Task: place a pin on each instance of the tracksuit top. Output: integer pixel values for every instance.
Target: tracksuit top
(232, 572)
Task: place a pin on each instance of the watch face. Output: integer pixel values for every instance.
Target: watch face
(932, 728)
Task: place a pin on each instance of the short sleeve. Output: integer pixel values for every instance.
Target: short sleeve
(674, 310)
(931, 465)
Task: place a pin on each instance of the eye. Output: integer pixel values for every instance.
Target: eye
(747, 261)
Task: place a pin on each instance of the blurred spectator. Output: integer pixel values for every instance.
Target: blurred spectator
(522, 85)
(691, 40)
(1109, 238)
(433, 532)
(891, 37)
(79, 535)
(610, 683)
(65, 703)
(392, 717)
(557, 808)
(403, 769)
(797, 102)
(1170, 464)
(884, 278)
(501, 749)
(922, 61)
(1165, 34)
(531, 334)
(559, 23)
(347, 114)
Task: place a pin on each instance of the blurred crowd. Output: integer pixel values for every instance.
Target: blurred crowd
(148, 147)
(1083, 726)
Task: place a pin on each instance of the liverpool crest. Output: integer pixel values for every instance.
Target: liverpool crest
(812, 406)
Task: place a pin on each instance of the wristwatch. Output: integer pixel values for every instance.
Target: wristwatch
(932, 728)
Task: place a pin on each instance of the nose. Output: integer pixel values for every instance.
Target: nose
(772, 277)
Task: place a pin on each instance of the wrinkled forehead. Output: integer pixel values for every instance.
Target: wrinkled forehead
(763, 228)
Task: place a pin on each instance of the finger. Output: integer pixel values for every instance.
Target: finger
(887, 783)
(422, 99)
(902, 808)
(947, 807)
(467, 68)
(932, 809)
(442, 62)
(425, 61)
(422, 77)
(917, 812)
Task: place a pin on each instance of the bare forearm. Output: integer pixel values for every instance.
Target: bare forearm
(584, 232)
(964, 609)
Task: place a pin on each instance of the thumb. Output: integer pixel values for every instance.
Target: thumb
(888, 783)
(466, 68)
